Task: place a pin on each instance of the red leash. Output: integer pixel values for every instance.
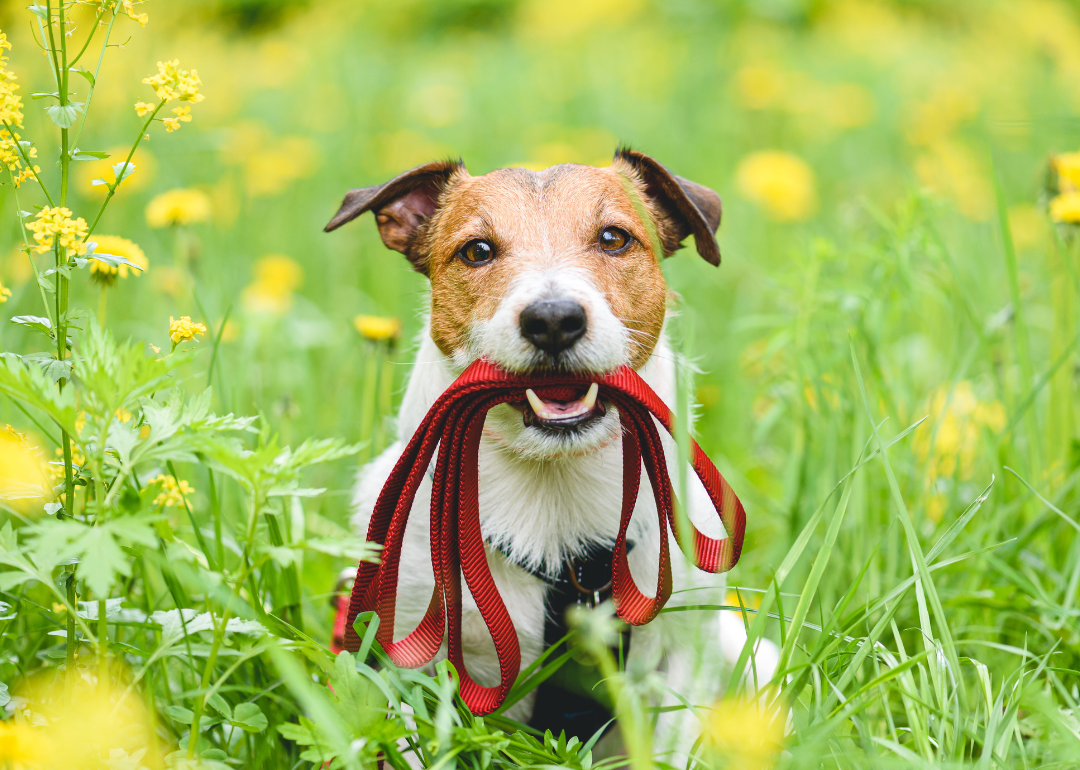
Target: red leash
(454, 425)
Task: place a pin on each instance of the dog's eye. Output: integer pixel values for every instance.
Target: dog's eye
(476, 253)
(613, 239)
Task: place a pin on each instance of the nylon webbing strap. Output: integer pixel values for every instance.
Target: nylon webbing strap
(453, 426)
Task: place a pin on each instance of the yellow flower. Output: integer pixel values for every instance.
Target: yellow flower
(10, 103)
(745, 735)
(23, 472)
(1066, 207)
(182, 206)
(377, 328)
(779, 182)
(11, 114)
(760, 86)
(171, 82)
(5, 294)
(54, 224)
(128, 8)
(22, 745)
(78, 727)
(276, 278)
(171, 124)
(123, 415)
(172, 495)
(105, 273)
(183, 113)
(142, 109)
(185, 330)
(1067, 166)
(957, 420)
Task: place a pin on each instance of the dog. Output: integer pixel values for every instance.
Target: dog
(542, 270)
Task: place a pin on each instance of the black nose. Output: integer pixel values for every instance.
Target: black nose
(553, 325)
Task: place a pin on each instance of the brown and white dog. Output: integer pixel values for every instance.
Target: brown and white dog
(537, 270)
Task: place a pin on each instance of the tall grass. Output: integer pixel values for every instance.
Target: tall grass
(885, 366)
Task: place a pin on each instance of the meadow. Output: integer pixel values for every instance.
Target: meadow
(885, 363)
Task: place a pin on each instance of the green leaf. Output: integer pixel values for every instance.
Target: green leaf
(44, 96)
(86, 74)
(180, 714)
(64, 115)
(52, 369)
(220, 705)
(248, 717)
(88, 155)
(123, 170)
(113, 260)
(36, 323)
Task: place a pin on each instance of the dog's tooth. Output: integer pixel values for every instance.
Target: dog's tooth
(590, 398)
(535, 402)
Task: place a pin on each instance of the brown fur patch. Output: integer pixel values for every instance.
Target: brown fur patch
(548, 219)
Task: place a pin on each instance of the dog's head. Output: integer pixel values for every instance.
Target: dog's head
(544, 269)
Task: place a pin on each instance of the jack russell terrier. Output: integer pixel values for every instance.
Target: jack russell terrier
(541, 270)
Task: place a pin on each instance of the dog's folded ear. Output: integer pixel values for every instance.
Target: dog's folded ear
(688, 208)
(401, 206)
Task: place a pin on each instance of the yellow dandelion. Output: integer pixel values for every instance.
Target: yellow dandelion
(1066, 208)
(745, 734)
(957, 421)
(377, 328)
(184, 330)
(23, 745)
(1067, 166)
(54, 225)
(781, 183)
(760, 86)
(276, 278)
(75, 728)
(23, 472)
(106, 274)
(183, 206)
(172, 495)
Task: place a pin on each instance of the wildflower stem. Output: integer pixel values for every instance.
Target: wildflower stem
(30, 252)
(242, 572)
(103, 643)
(123, 169)
(97, 71)
(72, 604)
(26, 159)
(93, 31)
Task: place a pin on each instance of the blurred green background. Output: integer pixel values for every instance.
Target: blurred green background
(855, 145)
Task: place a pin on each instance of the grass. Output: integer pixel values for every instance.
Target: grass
(885, 365)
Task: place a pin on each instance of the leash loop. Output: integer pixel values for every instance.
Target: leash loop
(453, 426)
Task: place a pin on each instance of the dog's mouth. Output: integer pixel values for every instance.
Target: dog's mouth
(560, 415)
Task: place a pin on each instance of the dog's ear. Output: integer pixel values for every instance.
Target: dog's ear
(401, 206)
(689, 208)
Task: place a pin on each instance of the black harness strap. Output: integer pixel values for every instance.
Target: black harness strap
(569, 701)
